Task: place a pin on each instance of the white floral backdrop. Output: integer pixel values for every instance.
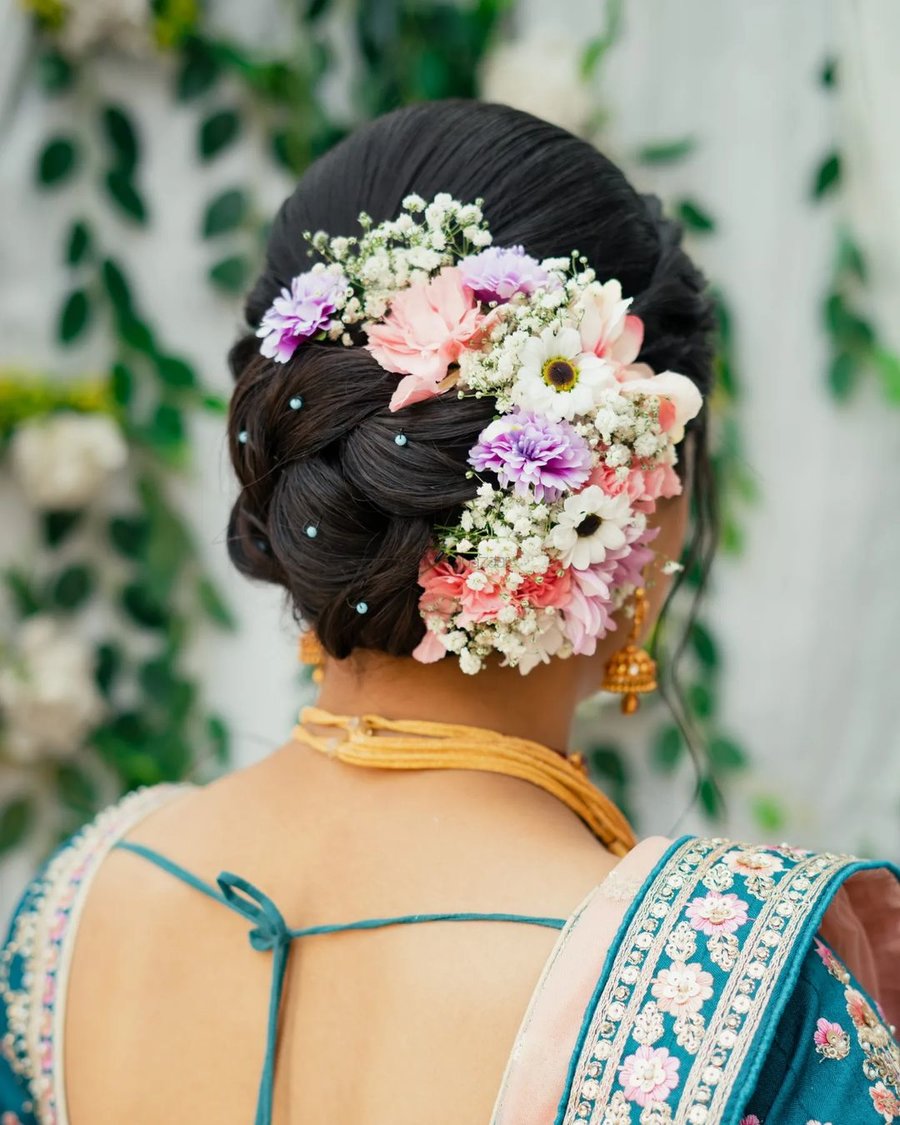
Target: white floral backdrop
(807, 616)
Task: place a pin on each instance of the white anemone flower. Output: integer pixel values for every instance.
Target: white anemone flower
(590, 524)
(557, 378)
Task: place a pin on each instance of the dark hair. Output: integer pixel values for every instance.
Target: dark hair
(330, 506)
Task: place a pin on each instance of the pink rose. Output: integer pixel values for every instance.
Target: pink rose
(427, 327)
(683, 400)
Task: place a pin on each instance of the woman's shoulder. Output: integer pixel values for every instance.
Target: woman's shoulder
(34, 954)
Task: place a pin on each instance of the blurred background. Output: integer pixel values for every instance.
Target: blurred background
(145, 145)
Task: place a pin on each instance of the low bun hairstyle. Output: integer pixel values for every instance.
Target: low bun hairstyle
(331, 507)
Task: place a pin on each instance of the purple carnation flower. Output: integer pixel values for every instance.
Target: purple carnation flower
(530, 452)
(496, 274)
(301, 312)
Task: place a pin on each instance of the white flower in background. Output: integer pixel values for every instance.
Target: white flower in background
(590, 524)
(61, 462)
(541, 74)
(557, 379)
(123, 25)
(48, 697)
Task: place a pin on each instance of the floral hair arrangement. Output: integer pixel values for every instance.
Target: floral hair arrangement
(583, 445)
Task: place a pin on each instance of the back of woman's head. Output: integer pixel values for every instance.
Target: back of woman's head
(331, 507)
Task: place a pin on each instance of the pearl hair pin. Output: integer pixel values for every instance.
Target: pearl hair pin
(401, 439)
(243, 437)
(362, 607)
(312, 531)
(296, 403)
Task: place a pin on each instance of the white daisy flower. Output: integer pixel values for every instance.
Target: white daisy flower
(556, 378)
(590, 524)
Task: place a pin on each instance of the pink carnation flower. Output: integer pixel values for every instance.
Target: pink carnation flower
(649, 1075)
(457, 586)
(427, 327)
(554, 591)
(716, 913)
(643, 486)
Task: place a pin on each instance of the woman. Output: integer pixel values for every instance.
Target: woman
(461, 441)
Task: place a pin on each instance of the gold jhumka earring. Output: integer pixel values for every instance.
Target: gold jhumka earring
(312, 653)
(631, 672)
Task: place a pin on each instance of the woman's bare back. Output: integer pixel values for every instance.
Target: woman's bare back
(167, 1001)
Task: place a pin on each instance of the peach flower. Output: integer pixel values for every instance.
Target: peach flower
(427, 327)
(682, 988)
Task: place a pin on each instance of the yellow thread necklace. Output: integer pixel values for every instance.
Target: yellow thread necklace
(395, 744)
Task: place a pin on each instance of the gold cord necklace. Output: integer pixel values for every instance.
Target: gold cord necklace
(403, 745)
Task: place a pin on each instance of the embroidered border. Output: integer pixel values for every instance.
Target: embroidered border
(715, 1036)
(36, 955)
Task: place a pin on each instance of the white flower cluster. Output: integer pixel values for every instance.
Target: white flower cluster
(48, 696)
(395, 254)
(61, 462)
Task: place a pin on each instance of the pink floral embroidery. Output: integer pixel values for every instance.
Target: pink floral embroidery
(750, 1119)
(682, 988)
(750, 863)
(716, 913)
(831, 1041)
(831, 963)
(649, 1075)
(885, 1103)
(859, 1009)
(10, 1119)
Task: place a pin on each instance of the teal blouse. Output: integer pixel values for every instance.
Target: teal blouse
(716, 1001)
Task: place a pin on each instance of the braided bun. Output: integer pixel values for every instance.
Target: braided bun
(331, 506)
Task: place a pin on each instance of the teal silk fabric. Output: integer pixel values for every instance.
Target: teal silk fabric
(717, 1001)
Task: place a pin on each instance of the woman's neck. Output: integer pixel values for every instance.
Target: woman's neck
(539, 706)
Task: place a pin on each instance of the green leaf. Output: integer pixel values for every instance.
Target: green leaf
(768, 813)
(887, 364)
(128, 534)
(843, 374)
(78, 246)
(198, 72)
(122, 138)
(72, 587)
(143, 608)
(710, 798)
(701, 700)
(16, 819)
(725, 754)
(137, 334)
(116, 286)
(315, 9)
(828, 75)
(175, 372)
(107, 666)
(225, 212)
(166, 431)
(215, 404)
(57, 161)
(609, 763)
(23, 592)
(668, 749)
(704, 645)
(121, 384)
(230, 274)
(695, 217)
(217, 132)
(213, 604)
(57, 526)
(850, 258)
(76, 789)
(218, 734)
(291, 149)
(55, 72)
(74, 316)
(157, 681)
(125, 195)
(828, 175)
(667, 152)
